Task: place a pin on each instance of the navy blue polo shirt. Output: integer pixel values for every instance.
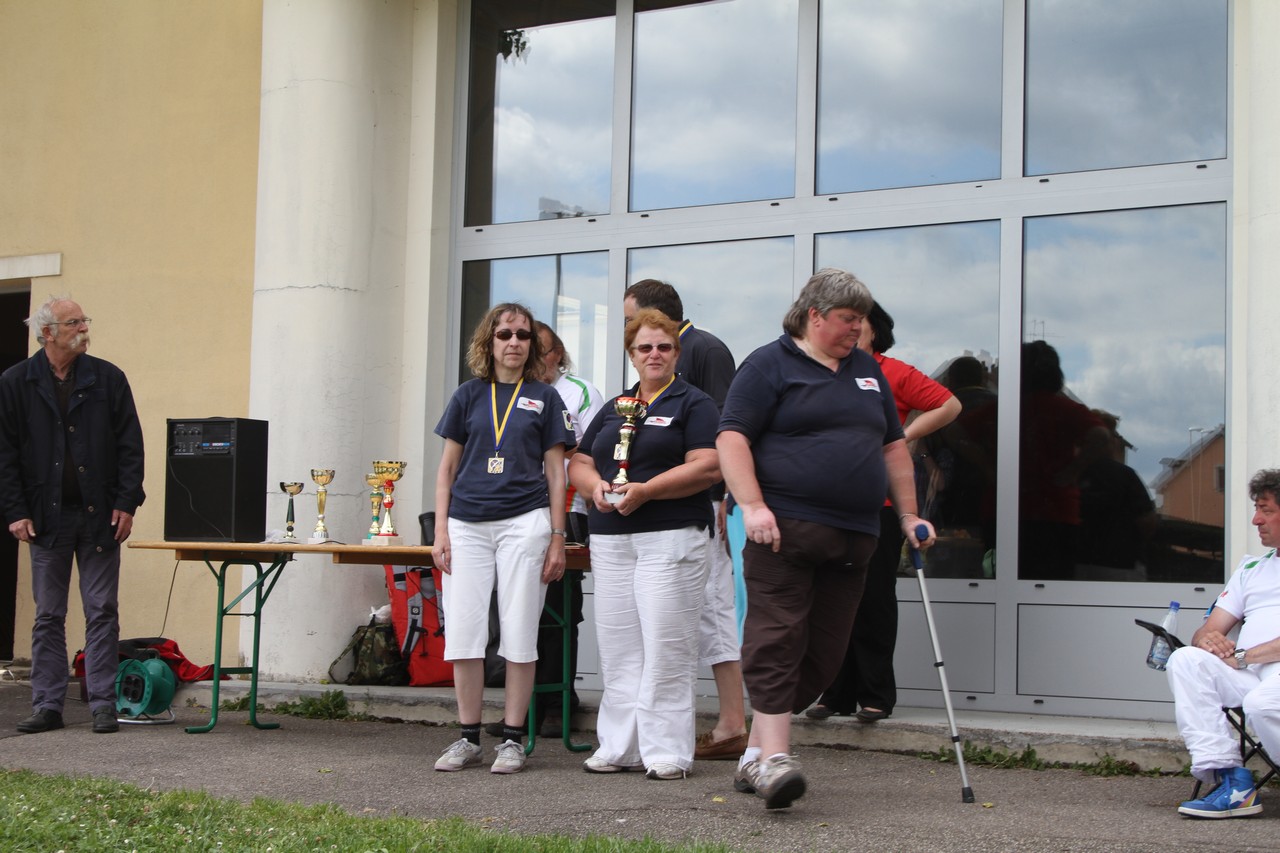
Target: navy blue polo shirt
(817, 436)
(681, 419)
(538, 422)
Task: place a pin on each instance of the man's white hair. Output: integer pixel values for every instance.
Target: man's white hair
(44, 316)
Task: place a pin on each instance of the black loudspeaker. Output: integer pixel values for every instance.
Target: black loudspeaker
(215, 487)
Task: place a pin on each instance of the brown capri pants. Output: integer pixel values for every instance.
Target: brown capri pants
(800, 607)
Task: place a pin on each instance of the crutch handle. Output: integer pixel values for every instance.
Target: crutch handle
(922, 533)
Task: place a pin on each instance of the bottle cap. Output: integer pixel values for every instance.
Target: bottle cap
(1173, 605)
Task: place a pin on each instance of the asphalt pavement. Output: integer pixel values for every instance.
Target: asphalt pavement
(858, 799)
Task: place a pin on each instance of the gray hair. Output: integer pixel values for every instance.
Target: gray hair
(1265, 482)
(44, 316)
(826, 289)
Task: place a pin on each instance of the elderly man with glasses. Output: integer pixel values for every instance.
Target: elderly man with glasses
(71, 468)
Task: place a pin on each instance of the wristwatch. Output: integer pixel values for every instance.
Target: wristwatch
(1239, 655)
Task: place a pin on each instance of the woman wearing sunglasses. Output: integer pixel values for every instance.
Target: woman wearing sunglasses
(500, 522)
(648, 555)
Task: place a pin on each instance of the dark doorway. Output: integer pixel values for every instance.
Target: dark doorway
(15, 306)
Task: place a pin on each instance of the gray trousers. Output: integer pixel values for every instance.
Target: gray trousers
(99, 584)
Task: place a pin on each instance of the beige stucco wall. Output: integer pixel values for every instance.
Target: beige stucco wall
(129, 144)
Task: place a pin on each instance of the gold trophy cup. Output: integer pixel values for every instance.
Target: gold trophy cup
(375, 501)
(631, 409)
(388, 473)
(290, 489)
(322, 477)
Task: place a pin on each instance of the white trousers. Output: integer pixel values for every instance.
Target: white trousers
(718, 625)
(509, 554)
(648, 597)
(1202, 686)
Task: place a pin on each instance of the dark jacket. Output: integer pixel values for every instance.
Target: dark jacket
(105, 439)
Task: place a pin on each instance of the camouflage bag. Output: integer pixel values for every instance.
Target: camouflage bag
(371, 657)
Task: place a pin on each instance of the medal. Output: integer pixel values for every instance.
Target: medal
(495, 461)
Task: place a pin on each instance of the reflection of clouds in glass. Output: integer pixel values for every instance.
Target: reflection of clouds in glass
(1135, 303)
(553, 121)
(715, 103)
(909, 93)
(1113, 83)
(940, 283)
(737, 291)
(575, 312)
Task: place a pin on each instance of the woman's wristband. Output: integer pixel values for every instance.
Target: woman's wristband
(907, 515)
(558, 531)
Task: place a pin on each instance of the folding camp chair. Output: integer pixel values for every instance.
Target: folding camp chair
(1250, 747)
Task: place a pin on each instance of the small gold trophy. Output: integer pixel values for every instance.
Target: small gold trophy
(322, 478)
(631, 409)
(388, 472)
(290, 489)
(375, 500)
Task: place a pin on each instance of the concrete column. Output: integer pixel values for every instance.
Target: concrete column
(328, 317)
(1256, 254)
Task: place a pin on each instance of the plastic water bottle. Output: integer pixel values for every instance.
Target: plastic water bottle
(1159, 653)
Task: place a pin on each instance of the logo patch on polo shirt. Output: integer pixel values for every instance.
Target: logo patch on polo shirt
(568, 421)
(529, 405)
(658, 420)
(869, 383)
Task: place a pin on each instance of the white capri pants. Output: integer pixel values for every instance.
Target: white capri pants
(508, 553)
(718, 627)
(1202, 686)
(648, 597)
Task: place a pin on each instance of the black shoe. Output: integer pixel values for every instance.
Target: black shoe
(105, 722)
(867, 715)
(43, 720)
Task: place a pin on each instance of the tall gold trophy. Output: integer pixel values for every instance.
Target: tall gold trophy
(388, 472)
(631, 409)
(290, 489)
(375, 501)
(322, 477)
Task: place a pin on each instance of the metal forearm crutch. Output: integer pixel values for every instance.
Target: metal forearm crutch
(966, 793)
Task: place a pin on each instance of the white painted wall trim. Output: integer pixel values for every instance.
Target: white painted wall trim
(31, 266)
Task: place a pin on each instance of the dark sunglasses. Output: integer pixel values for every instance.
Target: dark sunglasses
(505, 334)
(645, 349)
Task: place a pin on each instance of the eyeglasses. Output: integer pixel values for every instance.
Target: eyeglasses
(505, 334)
(645, 349)
(71, 324)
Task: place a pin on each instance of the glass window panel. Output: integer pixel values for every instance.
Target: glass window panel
(1114, 83)
(738, 291)
(564, 291)
(541, 110)
(714, 111)
(941, 285)
(908, 93)
(1140, 498)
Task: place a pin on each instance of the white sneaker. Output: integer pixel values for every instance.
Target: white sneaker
(596, 764)
(459, 755)
(663, 770)
(510, 758)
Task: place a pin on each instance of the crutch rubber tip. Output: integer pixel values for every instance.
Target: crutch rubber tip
(966, 795)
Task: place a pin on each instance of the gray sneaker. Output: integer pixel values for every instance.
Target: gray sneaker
(459, 755)
(744, 778)
(510, 758)
(779, 782)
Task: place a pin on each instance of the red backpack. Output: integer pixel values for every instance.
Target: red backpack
(418, 617)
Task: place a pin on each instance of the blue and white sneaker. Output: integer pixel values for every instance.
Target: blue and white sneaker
(1235, 796)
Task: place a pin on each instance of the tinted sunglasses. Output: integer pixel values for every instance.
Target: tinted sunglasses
(645, 349)
(505, 334)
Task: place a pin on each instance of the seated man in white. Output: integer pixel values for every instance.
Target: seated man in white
(1213, 672)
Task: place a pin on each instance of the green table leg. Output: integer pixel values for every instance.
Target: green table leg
(263, 583)
(564, 686)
